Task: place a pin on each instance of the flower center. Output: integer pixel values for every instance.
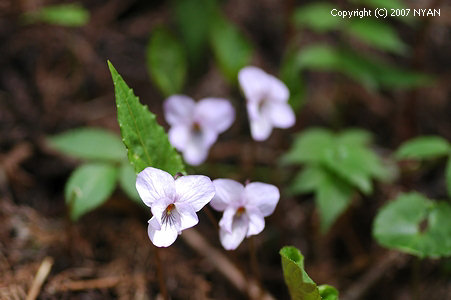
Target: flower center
(196, 127)
(241, 210)
(168, 215)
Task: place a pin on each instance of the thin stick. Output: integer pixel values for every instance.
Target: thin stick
(211, 217)
(225, 266)
(41, 275)
(160, 274)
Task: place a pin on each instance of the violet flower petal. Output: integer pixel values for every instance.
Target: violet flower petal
(262, 196)
(153, 184)
(164, 237)
(194, 190)
(231, 240)
(214, 114)
(228, 192)
(179, 109)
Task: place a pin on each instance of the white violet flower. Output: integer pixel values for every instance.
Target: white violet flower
(267, 102)
(196, 126)
(244, 209)
(173, 202)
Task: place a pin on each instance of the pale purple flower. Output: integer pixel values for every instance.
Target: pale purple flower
(244, 209)
(173, 203)
(196, 126)
(267, 102)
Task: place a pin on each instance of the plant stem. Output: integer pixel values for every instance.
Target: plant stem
(211, 217)
(254, 261)
(160, 273)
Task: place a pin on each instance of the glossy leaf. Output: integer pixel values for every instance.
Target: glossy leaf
(166, 62)
(376, 34)
(71, 15)
(317, 16)
(423, 147)
(146, 141)
(328, 292)
(89, 143)
(399, 225)
(231, 48)
(300, 285)
(127, 181)
(88, 187)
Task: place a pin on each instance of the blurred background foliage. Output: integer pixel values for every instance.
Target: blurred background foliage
(388, 79)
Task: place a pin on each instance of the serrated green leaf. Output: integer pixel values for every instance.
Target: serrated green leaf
(72, 15)
(230, 47)
(166, 62)
(309, 146)
(397, 226)
(88, 187)
(376, 34)
(300, 285)
(193, 19)
(89, 143)
(333, 196)
(146, 141)
(328, 292)
(317, 16)
(127, 181)
(423, 147)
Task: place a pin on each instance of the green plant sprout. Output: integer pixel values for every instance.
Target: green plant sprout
(335, 167)
(412, 223)
(300, 285)
(344, 57)
(90, 185)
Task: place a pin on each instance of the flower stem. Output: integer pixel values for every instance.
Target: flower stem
(211, 217)
(254, 261)
(160, 273)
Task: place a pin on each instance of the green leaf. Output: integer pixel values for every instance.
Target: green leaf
(231, 49)
(309, 146)
(370, 72)
(88, 187)
(355, 136)
(423, 147)
(300, 285)
(448, 176)
(307, 180)
(166, 62)
(317, 17)
(193, 19)
(89, 143)
(71, 15)
(146, 141)
(398, 226)
(127, 181)
(376, 34)
(319, 57)
(333, 196)
(350, 163)
(328, 292)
